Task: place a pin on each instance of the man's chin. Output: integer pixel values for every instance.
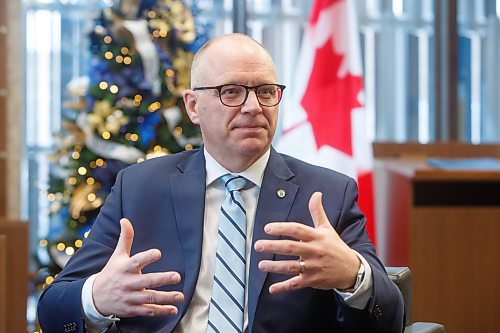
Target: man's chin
(253, 147)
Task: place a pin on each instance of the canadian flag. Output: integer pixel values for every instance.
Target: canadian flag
(326, 124)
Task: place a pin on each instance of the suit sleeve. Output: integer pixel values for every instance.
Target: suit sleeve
(385, 309)
(60, 307)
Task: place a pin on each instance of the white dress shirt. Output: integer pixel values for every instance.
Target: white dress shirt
(196, 318)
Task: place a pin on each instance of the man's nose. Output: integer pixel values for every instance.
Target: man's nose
(252, 103)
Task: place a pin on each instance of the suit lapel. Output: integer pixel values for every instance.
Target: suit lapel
(188, 195)
(270, 208)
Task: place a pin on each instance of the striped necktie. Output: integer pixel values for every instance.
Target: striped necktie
(228, 291)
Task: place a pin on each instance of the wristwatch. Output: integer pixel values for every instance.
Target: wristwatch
(359, 279)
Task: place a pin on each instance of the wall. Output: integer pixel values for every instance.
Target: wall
(11, 106)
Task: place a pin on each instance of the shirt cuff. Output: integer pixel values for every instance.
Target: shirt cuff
(95, 322)
(362, 292)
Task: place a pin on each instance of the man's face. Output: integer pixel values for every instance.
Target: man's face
(235, 136)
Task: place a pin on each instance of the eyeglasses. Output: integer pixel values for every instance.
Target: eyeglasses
(236, 94)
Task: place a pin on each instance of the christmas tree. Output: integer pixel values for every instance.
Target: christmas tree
(127, 110)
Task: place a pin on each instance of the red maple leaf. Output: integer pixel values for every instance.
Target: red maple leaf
(329, 100)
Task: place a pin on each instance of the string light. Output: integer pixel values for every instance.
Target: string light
(75, 155)
(43, 243)
(106, 135)
(113, 89)
(51, 197)
(188, 147)
(107, 39)
(61, 246)
(124, 50)
(97, 203)
(70, 251)
(86, 234)
(169, 73)
(99, 162)
(178, 130)
(127, 60)
(151, 14)
(99, 29)
(154, 107)
(72, 181)
(108, 55)
(82, 171)
(78, 243)
(103, 85)
(91, 197)
(91, 180)
(119, 59)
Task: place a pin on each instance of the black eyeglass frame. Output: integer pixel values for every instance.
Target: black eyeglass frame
(247, 88)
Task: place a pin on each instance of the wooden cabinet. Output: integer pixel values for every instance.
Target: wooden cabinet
(444, 225)
(13, 274)
(3, 283)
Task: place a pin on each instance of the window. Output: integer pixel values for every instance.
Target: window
(478, 71)
(401, 66)
(56, 51)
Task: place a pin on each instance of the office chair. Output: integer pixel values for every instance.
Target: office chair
(401, 276)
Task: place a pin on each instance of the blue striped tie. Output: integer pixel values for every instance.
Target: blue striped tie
(228, 291)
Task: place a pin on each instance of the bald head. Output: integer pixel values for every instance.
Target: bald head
(224, 48)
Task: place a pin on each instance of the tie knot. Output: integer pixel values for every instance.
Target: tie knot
(234, 183)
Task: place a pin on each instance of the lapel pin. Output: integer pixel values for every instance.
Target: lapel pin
(281, 193)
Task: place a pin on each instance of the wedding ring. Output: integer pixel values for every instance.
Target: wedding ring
(302, 265)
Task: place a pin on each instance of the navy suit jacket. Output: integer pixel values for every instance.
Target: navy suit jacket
(164, 198)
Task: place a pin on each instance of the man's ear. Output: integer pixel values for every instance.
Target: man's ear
(190, 103)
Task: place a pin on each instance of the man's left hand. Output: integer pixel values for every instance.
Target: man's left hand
(327, 261)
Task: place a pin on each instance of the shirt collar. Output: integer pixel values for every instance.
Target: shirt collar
(254, 173)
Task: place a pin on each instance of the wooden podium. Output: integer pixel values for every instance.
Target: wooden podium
(444, 225)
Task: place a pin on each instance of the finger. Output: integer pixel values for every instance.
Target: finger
(140, 260)
(152, 280)
(290, 229)
(145, 297)
(291, 267)
(317, 211)
(283, 246)
(150, 310)
(126, 237)
(294, 283)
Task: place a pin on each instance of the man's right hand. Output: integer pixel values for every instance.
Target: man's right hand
(121, 289)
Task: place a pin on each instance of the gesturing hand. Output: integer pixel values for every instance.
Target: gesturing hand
(121, 289)
(328, 261)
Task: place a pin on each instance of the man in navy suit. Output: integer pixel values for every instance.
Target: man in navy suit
(148, 263)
